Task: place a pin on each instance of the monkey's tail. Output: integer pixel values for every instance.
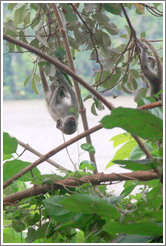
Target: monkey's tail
(158, 61)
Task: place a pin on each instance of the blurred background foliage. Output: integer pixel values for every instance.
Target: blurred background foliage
(18, 64)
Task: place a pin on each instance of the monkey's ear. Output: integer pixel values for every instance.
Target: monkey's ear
(59, 124)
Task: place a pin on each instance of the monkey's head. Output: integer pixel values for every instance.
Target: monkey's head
(68, 125)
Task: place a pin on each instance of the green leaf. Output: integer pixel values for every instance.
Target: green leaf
(37, 77)
(73, 43)
(34, 87)
(87, 164)
(42, 230)
(112, 28)
(102, 38)
(60, 53)
(69, 13)
(98, 104)
(11, 6)
(42, 63)
(127, 191)
(123, 152)
(87, 97)
(88, 147)
(93, 109)
(121, 138)
(27, 80)
(113, 8)
(27, 18)
(35, 22)
(136, 153)
(111, 82)
(9, 144)
(56, 210)
(88, 204)
(6, 157)
(137, 122)
(19, 15)
(10, 168)
(135, 239)
(35, 43)
(88, 7)
(31, 235)
(147, 228)
(31, 219)
(102, 19)
(135, 165)
(18, 225)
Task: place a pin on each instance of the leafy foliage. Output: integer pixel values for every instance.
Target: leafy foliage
(144, 124)
(97, 42)
(84, 214)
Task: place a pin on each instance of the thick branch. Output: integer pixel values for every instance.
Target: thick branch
(95, 179)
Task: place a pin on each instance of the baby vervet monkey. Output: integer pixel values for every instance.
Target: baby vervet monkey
(61, 102)
(155, 77)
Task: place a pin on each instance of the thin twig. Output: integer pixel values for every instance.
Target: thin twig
(151, 105)
(35, 152)
(74, 165)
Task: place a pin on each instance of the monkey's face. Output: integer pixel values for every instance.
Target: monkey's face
(68, 126)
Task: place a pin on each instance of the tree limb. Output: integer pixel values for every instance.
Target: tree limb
(95, 179)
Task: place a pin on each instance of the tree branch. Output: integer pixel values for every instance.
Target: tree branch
(95, 179)
(35, 152)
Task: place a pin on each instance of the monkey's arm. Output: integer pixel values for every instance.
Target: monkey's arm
(61, 80)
